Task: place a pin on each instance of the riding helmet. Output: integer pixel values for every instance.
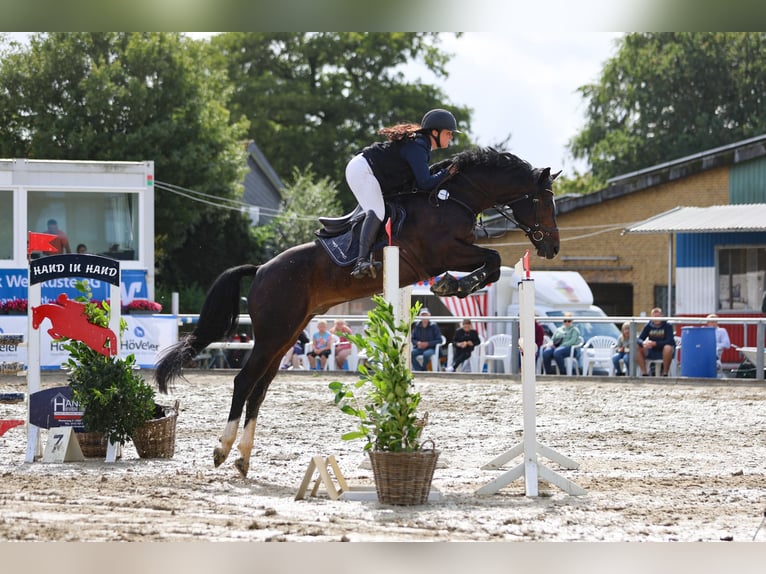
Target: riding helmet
(439, 119)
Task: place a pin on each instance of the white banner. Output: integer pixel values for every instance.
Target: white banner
(147, 336)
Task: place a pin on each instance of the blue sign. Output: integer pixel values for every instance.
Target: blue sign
(14, 284)
(55, 408)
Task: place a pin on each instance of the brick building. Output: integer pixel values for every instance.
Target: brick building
(629, 273)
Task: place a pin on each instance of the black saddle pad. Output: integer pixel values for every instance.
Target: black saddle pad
(343, 249)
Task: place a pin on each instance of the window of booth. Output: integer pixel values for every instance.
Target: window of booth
(741, 278)
(6, 224)
(106, 223)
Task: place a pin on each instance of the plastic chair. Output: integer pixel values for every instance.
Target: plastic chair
(656, 364)
(496, 348)
(571, 362)
(470, 365)
(540, 370)
(437, 355)
(597, 352)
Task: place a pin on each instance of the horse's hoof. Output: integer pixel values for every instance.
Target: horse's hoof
(242, 466)
(218, 456)
(445, 286)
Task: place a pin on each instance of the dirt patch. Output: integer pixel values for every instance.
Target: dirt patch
(660, 462)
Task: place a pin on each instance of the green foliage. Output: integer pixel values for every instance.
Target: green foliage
(112, 392)
(304, 200)
(319, 98)
(130, 97)
(383, 399)
(668, 95)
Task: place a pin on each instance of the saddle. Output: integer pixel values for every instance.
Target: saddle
(339, 236)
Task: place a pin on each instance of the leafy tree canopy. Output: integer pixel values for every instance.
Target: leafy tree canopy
(128, 97)
(667, 95)
(319, 98)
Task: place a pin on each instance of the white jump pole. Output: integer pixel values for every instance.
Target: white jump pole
(399, 298)
(530, 469)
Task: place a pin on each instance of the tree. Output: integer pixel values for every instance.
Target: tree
(667, 95)
(319, 98)
(304, 200)
(132, 97)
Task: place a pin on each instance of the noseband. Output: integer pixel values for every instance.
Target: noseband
(537, 232)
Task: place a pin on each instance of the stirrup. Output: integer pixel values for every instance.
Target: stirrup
(366, 268)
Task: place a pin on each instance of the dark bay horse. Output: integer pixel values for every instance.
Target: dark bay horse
(301, 282)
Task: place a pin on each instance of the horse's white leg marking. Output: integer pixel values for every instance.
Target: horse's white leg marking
(227, 440)
(245, 447)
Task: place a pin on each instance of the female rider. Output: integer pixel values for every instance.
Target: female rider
(398, 163)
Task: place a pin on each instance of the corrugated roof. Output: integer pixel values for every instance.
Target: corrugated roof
(713, 219)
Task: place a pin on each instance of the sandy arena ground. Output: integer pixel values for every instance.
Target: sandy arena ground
(669, 461)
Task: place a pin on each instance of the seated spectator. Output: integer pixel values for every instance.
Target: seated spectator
(82, 248)
(343, 346)
(622, 351)
(722, 341)
(321, 348)
(560, 347)
(425, 337)
(656, 341)
(466, 339)
(292, 359)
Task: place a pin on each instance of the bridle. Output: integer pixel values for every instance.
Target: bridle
(537, 232)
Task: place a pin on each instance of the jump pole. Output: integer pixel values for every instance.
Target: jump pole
(398, 298)
(530, 469)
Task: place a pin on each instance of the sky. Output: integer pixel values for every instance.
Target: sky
(525, 84)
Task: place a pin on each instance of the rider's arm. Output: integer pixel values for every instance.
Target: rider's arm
(417, 156)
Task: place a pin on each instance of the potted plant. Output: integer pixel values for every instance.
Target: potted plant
(385, 404)
(142, 307)
(111, 391)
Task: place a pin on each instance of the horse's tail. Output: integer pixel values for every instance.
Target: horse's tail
(217, 320)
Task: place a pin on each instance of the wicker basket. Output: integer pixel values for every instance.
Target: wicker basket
(403, 478)
(92, 444)
(157, 438)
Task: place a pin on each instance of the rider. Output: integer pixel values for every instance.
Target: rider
(399, 162)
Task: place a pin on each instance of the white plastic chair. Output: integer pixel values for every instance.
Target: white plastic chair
(657, 363)
(437, 355)
(597, 352)
(496, 348)
(470, 365)
(310, 362)
(571, 363)
(540, 365)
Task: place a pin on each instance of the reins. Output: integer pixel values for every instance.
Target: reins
(536, 234)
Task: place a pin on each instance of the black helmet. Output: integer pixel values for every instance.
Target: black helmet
(439, 120)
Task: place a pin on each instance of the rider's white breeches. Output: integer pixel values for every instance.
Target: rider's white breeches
(365, 186)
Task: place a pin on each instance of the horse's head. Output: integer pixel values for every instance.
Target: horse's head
(535, 214)
(501, 180)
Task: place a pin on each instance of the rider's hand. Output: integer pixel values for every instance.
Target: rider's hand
(452, 170)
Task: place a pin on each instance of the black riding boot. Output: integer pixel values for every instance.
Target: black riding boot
(365, 265)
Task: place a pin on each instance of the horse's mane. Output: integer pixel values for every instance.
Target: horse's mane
(485, 157)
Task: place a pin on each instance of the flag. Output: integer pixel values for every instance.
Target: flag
(41, 242)
(388, 231)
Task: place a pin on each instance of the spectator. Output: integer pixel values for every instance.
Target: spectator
(292, 359)
(425, 337)
(560, 347)
(656, 341)
(82, 248)
(61, 243)
(466, 339)
(322, 341)
(343, 346)
(622, 351)
(722, 341)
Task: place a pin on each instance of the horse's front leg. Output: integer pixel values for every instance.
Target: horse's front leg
(447, 285)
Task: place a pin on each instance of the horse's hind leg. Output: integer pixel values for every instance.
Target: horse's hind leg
(247, 440)
(244, 383)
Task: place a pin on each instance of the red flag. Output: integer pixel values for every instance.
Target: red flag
(41, 242)
(388, 231)
(526, 263)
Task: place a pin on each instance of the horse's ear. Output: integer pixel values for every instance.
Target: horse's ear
(544, 176)
(555, 175)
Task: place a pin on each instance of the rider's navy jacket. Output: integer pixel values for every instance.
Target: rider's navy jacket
(399, 164)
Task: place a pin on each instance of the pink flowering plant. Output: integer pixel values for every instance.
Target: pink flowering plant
(15, 306)
(143, 305)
